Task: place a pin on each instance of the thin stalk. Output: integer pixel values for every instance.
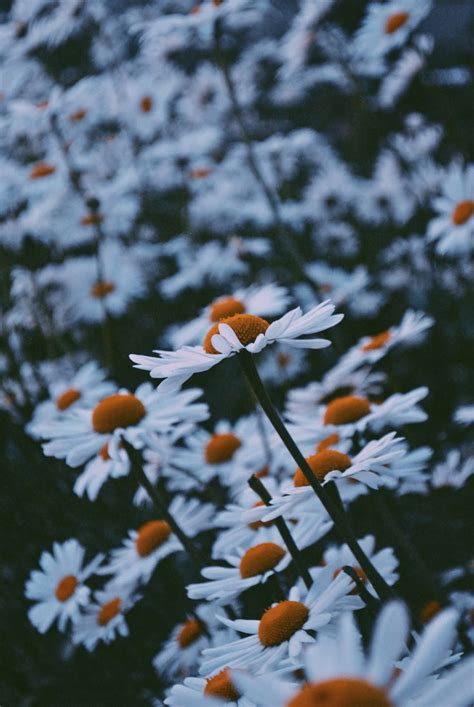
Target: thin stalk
(339, 517)
(259, 488)
(161, 505)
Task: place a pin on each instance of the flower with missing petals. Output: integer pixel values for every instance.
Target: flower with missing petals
(237, 333)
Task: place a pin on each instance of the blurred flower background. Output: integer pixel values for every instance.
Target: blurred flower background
(178, 173)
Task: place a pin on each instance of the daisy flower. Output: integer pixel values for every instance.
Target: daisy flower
(235, 333)
(104, 618)
(248, 568)
(384, 561)
(59, 588)
(99, 469)
(85, 388)
(408, 473)
(181, 652)
(261, 300)
(339, 672)
(279, 367)
(144, 548)
(285, 627)
(134, 416)
(453, 227)
(388, 25)
(453, 472)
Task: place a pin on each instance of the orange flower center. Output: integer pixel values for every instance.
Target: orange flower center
(283, 359)
(280, 622)
(190, 632)
(152, 535)
(328, 442)
(67, 398)
(108, 611)
(66, 587)
(260, 559)
(104, 452)
(226, 308)
(342, 411)
(395, 21)
(93, 219)
(221, 686)
(246, 327)
(119, 410)
(259, 523)
(78, 115)
(462, 212)
(199, 173)
(340, 692)
(41, 169)
(221, 448)
(321, 464)
(429, 611)
(101, 289)
(377, 341)
(146, 104)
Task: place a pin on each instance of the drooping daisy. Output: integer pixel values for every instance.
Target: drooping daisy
(261, 300)
(104, 618)
(59, 588)
(85, 388)
(235, 333)
(453, 227)
(285, 627)
(339, 673)
(144, 548)
(84, 433)
(453, 472)
(388, 25)
(179, 656)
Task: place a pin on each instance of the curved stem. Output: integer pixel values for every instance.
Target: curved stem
(338, 516)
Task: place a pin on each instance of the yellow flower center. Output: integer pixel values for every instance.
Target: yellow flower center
(93, 219)
(345, 410)
(280, 622)
(146, 104)
(67, 398)
(377, 341)
(283, 359)
(101, 289)
(321, 464)
(119, 410)
(199, 172)
(108, 611)
(190, 632)
(41, 169)
(152, 535)
(328, 442)
(78, 115)
(220, 686)
(395, 21)
(429, 611)
(66, 587)
(246, 327)
(221, 448)
(260, 559)
(462, 212)
(340, 692)
(225, 308)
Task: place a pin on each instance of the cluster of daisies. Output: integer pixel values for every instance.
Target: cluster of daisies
(197, 183)
(353, 446)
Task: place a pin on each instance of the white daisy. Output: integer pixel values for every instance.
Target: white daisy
(453, 472)
(179, 656)
(59, 587)
(388, 25)
(231, 335)
(262, 300)
(408, 473)
(104, 618)
(453, 227)
(338, 671)
(141, 552)
(85, 388)
(211, 692)
(285, 626)
(84, 433)
(99, 469)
